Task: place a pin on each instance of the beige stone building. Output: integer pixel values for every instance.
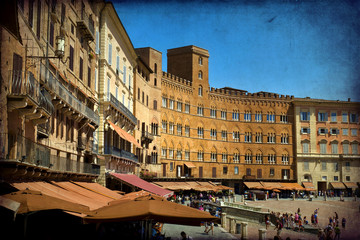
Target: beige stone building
(148, 110)
(327, 144)
(117, 61)
(48, 112)
(226, 134)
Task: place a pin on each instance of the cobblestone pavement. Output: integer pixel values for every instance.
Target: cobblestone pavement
(173, 231)
(348, 209)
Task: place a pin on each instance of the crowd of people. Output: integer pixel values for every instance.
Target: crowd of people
(297, 222)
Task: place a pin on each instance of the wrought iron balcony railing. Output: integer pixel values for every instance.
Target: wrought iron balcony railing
(121, 107)
(57, 87)
(120, 153)
(86, 25)
(26, 151)
(21, 84)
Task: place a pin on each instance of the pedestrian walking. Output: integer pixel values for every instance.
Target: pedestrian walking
(185, 237)
(337, 232)
(279, 227)
(343, 222)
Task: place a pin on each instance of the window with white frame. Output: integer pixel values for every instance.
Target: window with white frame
(179, 129)
(270, 117)
(200, 75)
(187, 130)
(283, 118)
(236, 157)
(334, 131)
(305, 130)
(285, 159)
(213, 112)
(322, 116)
(334, 148)
(171, 103)
(200, 61)
(306, 166)
(247, 116)
(179, 106)
(187, 108)
(200, 132)
(109, 52)
(333, 117)
(345, 131)
(171, 153)
(353, 132)
(223, 114)
(248, 158)
(164, 126)
(258, 116)
(354, 118)
(344, 117)
(284, 138)
(305, 147)
(236, 136)
(272, 159)
(187, 154)
(354, 148)
(345, 148)
(213, 156)
(163, 152)
(258, 137)
(304, 116)
(322, 131)
(323, 147)
(248, 137)
(224, 135)
(236, 170)
(259, 158)
(235, 115)
(323, 166)
(213, 133)
(347, 166)
(224, 157)
(164, 102)
(200, 110)
(200, 91)
(171, 128)
(178, 154)
(200, 155)
(172, 166)
(271, 137)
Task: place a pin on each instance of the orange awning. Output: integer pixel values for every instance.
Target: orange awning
(190, 165)
(124, 135)
(337, 185)
(252, 185)
(308, 185)
(292, 186)
(350, 185)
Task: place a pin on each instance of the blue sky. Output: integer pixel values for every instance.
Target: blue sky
(305, 48)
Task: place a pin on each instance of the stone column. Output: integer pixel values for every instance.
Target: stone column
(232, 225)
(262, 234)
(277, 196)
(244, 233)
(265, 197)
(254, 197)
(293, 198)
(223, 220)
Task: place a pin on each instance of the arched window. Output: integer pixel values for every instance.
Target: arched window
(200, 61)
(200, 75)
(155, 68)
(200, 90)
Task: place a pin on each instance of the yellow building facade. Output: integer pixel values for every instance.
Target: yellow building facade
(327, 144)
